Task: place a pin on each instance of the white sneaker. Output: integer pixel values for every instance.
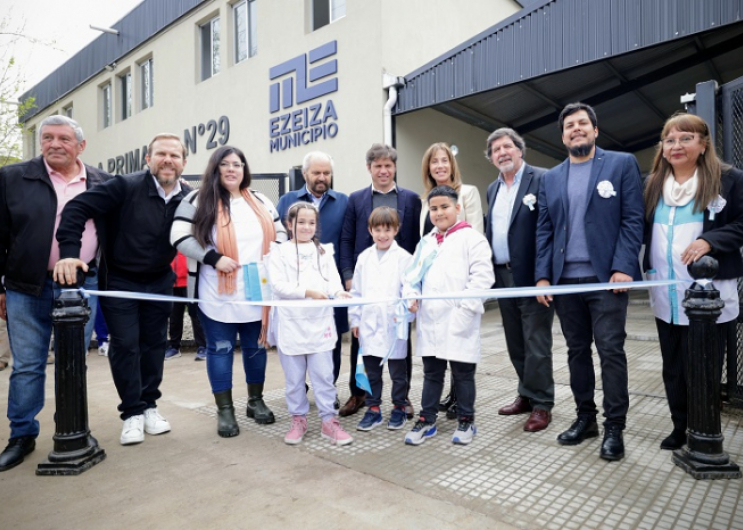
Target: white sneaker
(103, 349)
(465, 432)
(132, 432)
(154, 423)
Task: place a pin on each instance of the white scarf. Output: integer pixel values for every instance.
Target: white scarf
(675, 194)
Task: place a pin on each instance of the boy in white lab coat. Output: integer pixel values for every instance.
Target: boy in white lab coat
(378, 274)
(453, 257)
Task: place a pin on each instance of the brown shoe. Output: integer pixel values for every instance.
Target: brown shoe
(520, 405)
(352, 406)
(538, 420)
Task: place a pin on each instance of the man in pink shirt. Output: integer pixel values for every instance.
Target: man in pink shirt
(32, 196)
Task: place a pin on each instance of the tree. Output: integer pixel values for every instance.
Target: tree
(11, 87)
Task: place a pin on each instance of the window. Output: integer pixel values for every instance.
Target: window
(107, 101)
(126, 95)
(326, 11)
(147, 84)
(67, 111)
(246, 44)
(210, 48)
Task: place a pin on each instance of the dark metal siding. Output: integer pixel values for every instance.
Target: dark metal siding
(138, 26)
(553, 35)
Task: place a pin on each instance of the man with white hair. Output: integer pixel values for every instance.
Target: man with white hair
(317, 170)
(32, 196)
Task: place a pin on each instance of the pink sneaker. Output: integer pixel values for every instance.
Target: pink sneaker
(332, 430)
(296, 431)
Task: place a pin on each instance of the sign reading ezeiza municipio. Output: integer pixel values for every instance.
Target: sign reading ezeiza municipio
(309, 123)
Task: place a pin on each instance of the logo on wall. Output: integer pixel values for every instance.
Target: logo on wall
(309, 123)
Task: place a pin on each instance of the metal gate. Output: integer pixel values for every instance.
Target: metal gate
(722, 108)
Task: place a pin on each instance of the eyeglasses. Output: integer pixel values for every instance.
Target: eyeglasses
(685, 140)
(234, 165)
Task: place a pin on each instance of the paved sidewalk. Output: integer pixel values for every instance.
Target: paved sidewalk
(507, 478)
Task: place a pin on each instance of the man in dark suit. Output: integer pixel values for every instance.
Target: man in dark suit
(317, 170)
(510, 228)
(381, 162)
(32, 196)
(590, 230)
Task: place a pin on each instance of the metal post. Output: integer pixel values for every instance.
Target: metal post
(703, 457)
(75, 450)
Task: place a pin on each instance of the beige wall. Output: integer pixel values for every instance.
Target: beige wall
(374, 37)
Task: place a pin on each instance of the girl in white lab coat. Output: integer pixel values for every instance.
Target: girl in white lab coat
(305, 336)
(453, 257)
(378, 274)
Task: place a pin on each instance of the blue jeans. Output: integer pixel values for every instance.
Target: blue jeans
(29, 331)
(220, 351)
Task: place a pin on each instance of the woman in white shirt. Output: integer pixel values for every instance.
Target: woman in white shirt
(225, 230)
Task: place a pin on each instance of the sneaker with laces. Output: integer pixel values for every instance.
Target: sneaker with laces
(332, 430)
(172, 353)
(133, 430)
(200, 354)
(371, 419)
(154, 423)
(103, 349)
(398, 419)
(465, 432)
(296, 431)
(421, 431)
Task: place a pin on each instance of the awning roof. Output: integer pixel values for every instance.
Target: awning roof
(630, 59)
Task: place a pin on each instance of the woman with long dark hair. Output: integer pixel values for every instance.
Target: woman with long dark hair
(225, 230)
(694, 207)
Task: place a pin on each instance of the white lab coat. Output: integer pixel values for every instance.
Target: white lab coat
(301, 331)
(375, 278)
(450, 329)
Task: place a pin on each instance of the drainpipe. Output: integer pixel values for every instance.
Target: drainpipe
(390, 83)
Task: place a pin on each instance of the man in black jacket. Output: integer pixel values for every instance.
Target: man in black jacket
(138, 210)
(32, 196)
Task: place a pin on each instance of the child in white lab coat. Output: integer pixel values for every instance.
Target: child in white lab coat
(305, 336)
(453, 257)
(378, 274)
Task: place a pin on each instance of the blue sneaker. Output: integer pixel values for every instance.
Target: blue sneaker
(172, 353)
(398, 419)
(200, 354)
(421, 431)
(465, 432)
(370, 420)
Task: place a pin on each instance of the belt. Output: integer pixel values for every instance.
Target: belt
(503, 266)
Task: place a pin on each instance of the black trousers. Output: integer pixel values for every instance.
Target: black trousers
(356, 391)
(674, 347)
(138, 330)
(399, 375)
(176, 321)
(463, 377)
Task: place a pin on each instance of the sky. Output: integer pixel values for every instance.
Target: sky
(56, 30)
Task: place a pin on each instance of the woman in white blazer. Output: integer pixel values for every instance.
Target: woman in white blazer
(439, 167)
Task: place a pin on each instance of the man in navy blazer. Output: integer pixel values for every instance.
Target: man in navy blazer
(510, 227)
(381, 162)
(317, 170)
(590, 230)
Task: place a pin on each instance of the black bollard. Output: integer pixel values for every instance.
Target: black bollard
(703, 457)
(75, 450)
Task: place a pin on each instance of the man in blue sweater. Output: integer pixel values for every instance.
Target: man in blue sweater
(589, 230)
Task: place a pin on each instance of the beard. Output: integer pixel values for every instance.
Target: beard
(581, 150)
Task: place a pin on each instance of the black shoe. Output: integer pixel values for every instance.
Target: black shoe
(612, 448)
(451, 414)
(449, 400)
(15, 451)
(675, 440)
(582, 428)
